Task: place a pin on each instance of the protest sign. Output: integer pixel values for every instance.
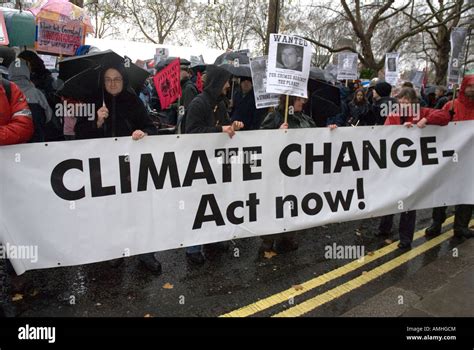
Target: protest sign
(391, 68)
(347, 66)
(289, 60)
(59, 38)
(258, 67)
(167, 84)
(458, 38)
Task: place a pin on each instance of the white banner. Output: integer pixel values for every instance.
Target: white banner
(391, 68)
(289, 60)
(86, 201)
(258, 68)
(347, 66)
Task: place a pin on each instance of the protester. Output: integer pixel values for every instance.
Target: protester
(441, 98)
(7, 56)
(19, 73)
(461, 109)
(409, 100)
(120, 112)
(382, 101)
(243, 108)
(16, 126)
(283, 243)
(359, 110)
(205, 115)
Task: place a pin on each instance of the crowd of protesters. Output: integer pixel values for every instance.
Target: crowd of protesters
(28, 99)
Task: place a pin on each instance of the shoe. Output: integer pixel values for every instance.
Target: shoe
(266, 246)
(434, 230)
(151, 263)
(195, 258)
(463, 233)
(404, 246)
(286, 246)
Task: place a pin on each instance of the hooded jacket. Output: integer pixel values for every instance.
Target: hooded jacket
(20, 75)
(127, 113)
(463, 107)
(16, 124)
(204, 114)
(295, 121)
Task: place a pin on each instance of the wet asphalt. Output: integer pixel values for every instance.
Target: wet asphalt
(227, 281)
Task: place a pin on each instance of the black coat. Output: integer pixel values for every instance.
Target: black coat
(379, 106)
(126, 114)
(207, 112)
(360, 114)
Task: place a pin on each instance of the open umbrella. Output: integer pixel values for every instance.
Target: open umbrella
(72, 66)
(230, 57)
(81, 75)
(241, 70)
(61, 11)
(21, 27)
(324, 101)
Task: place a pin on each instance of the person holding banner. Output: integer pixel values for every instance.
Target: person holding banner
(283, 243)
(205, 115)
(16, 126)
(461, 109)
(244, 108)
(411, 115)
(120, 113)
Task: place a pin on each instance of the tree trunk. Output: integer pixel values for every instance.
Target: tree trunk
(443, 52)
(273, 19)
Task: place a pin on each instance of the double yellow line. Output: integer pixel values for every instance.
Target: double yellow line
(347, 287)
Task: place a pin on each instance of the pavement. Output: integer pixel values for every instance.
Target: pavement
(443, 288)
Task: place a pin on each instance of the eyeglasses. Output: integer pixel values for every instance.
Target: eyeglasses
(115, 80)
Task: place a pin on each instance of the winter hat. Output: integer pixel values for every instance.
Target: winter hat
(7, 56)
(383, 89)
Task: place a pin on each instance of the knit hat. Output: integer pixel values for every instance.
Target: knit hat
(7, 56)
(383, 89)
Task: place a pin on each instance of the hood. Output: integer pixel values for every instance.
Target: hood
(19, 71)
(215, 81)
(468, 79)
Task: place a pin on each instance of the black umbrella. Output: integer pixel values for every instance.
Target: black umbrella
(324, 101)
(164, 63)
(241, 70)
(230, 57)
(73, 66)
(84, 86)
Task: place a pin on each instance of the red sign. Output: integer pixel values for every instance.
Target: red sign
(168, 84)
(3, 31)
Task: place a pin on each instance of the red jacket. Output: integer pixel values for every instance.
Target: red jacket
(16, 124)
(463, 107)
(434, 117)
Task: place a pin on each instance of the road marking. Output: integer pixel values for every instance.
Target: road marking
(365, 278)
(285, 295)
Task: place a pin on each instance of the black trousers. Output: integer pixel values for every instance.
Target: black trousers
(406, 228)
(439, 215)
(462, 216)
